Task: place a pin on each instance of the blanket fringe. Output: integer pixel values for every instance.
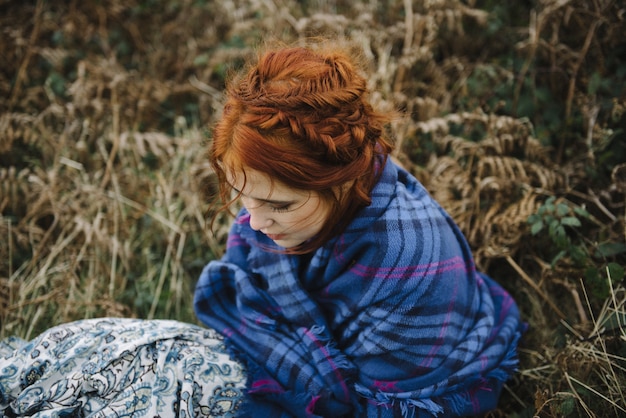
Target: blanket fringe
(339, 358)
(407, 407)
(456, 403)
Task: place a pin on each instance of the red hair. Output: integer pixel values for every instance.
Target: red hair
(302, 116)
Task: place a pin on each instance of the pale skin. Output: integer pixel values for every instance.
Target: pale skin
(286, 215)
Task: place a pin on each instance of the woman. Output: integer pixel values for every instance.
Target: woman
(345, 290)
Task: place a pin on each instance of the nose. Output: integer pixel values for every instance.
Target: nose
(259, 220)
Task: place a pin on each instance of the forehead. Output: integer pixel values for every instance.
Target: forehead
(259, 185)
(247, 178)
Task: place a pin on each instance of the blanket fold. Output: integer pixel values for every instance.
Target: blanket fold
(390, 316)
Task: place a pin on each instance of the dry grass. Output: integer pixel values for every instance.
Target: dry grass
(103, 177)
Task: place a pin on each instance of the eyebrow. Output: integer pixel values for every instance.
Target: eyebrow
(270, 201)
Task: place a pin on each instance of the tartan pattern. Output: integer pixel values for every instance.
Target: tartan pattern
(388, 318)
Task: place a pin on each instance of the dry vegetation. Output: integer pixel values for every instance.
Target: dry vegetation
(516, 119)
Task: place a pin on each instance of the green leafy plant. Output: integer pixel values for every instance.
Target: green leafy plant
(556, 218)
(561, 221)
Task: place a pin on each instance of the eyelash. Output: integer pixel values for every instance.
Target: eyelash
(277, 209)
(280, 208)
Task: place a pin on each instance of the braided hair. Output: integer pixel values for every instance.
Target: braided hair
(302, 116)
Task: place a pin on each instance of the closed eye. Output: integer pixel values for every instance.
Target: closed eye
(275, 205)
(282, 208)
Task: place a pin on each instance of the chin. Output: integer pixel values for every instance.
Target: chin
(284, 243)
(287, 243)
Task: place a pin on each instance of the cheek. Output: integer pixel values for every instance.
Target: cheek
(317, 215)
(305, 217)
(298, 220)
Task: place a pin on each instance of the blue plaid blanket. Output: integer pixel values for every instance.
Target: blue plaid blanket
(390, 318)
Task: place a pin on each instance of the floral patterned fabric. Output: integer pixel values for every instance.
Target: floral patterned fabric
(120, 368)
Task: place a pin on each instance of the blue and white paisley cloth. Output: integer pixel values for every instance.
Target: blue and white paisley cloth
(120, 368)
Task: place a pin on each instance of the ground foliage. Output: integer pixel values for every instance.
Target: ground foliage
(515, 121)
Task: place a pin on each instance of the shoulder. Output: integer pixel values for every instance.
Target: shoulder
(399, 200)
(402, 223)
